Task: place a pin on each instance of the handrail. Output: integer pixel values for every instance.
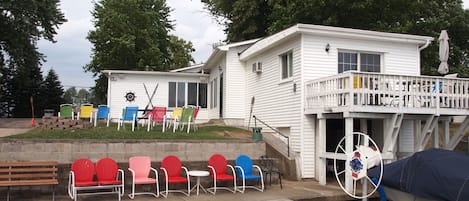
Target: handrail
(274, 129)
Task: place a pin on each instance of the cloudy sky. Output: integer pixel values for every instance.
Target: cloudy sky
(72, 51)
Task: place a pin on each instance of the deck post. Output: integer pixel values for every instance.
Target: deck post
(321, 149)
(348, 149)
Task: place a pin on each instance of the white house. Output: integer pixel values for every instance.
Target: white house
(315, 84)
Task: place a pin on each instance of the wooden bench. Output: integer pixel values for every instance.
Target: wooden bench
(28, 174)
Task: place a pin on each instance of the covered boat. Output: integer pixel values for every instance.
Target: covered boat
(434, 174)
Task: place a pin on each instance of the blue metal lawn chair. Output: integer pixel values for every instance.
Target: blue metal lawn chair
(244, 167)
(103, 113)
(129, 114)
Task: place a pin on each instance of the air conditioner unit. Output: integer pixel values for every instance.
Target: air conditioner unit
(257, 67)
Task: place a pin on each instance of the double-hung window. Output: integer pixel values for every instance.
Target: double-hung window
(358, 61)
(287, 65)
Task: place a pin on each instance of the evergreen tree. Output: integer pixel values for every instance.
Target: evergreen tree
(22, 24)
(52, 91)
(7, 73)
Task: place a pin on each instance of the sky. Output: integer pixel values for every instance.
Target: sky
(72, 50)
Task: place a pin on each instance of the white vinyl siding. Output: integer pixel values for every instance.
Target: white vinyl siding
(406, 136)
(275, 101)
(135, 83)
(397, 58)
(234, 86)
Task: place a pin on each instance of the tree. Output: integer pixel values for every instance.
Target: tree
(70, 95)
(53, 90)
(133, 35)
(243, 19)
(7, 73)
(23, 23)
(400, 16)
(83, 96)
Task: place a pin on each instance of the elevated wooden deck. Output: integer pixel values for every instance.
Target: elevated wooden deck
(384, 93)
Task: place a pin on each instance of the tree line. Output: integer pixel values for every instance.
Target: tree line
(135, 35)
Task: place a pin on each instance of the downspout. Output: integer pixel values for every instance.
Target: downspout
(427, 43)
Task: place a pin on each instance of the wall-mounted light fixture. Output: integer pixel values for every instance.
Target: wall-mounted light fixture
(328, 47)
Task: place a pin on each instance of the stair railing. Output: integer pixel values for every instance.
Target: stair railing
(275, 130)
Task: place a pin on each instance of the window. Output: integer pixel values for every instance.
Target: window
(370, 63)
(287, 65)
(195, 92)
(366, 62)
(213, 94)
(181, 91)
(202, 95)
(172, 94)
(191, 93)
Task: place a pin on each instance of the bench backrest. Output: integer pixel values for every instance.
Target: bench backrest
(28, 173)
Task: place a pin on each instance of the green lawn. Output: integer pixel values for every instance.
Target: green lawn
(103, 132)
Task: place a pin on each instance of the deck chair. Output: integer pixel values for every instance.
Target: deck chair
(218, 170)
(171, 166)
(128, 114)
(80, 176)
(245, 168)
(157, 115)
(66, 111)
(268, 168)
(175, 116)
(187, 118)
(86, 112)
(103, 113)
(196, 112)
(140, 168)
(109, 175)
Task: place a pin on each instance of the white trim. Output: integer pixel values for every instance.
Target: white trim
(109, 72)
(329, 31)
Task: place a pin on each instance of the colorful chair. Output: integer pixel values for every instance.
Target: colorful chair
(129, 114)
(157, 115)
(187, 118)
(80, 176)
(218, 170)
(196, 112)
(103, 113)
(175, 116)
(86, 112)
(108, 174)
(171, 166)
(66, 111)
(109, 178)
(244, 168)
(140, 168)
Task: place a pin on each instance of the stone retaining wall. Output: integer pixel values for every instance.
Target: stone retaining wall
(65, 152)
(193, 154)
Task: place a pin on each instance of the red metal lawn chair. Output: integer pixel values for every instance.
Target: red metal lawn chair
(218, 170)
(171, 166)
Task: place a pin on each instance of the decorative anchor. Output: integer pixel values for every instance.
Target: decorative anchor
(149, 97)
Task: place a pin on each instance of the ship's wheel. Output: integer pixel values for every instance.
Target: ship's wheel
(364, 155)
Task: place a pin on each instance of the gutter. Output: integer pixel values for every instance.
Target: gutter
(427, 43)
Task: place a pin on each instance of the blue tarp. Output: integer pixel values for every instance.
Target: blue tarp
(434, 174)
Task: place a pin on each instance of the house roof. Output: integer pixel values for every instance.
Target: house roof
(221, 50)
(189, 69)
(131, 72)
(320, 30)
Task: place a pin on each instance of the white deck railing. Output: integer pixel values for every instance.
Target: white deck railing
(357, 90)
